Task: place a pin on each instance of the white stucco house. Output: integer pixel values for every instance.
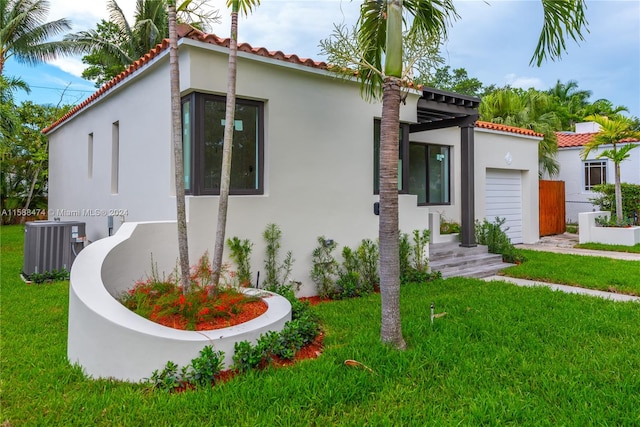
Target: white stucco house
(304, 155)
(581, 175)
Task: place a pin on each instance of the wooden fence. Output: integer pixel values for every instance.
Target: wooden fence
(552, 207)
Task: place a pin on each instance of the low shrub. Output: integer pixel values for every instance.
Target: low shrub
(494, 236)
(202, 371)
(301, 330)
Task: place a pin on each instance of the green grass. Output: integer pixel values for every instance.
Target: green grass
(591, 272)
(502, 355)
(615, 248)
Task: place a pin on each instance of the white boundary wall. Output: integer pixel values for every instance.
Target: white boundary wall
(108, 340)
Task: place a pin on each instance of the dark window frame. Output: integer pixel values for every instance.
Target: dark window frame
(588, 165)
(197, 106)
(426, 146)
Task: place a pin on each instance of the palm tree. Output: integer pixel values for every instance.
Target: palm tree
(529, 109)
(569, 102)
(613, 131)
(118, 43)
(24, 32)
(176, 137)
(115, 44)
(379, 34)
(225, 174)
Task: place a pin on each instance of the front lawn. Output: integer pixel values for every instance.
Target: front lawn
(501, 355)
(604, 274)
(635, 249)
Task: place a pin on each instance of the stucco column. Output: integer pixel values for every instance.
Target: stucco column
(467, 204)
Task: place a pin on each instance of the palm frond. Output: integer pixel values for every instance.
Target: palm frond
(561, 18)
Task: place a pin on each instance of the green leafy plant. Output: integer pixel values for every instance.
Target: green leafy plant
(277, 274)
(49, 276)
(414, 263)
(404, 250)
(448, 227)
(163, 301)
(301, 330)
(606, 200)
(368, 256)
(603, 221)
(571, 228)
(203, 369)
(325, 266)
(494, 236)
(169, 379)
(241, 255)
(420, 245)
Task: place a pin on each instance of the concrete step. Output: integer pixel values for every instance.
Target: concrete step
(453, 260)
(476, 271)
(468, 260)
(453, 250)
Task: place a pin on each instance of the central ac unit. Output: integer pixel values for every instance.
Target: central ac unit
(51, 245)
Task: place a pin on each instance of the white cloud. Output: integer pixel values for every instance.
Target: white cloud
(524, 82)
(69, 65)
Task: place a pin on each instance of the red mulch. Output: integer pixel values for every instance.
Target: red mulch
(315, 300)
(250, 310)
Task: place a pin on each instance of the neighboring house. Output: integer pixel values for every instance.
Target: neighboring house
(304, 155)
(581, 175)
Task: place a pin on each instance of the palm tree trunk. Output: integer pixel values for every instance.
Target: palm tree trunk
(391, 330)
(225, 178)
(618, 189)
(176, 136)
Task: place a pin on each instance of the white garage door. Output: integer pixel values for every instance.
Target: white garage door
(503, 199)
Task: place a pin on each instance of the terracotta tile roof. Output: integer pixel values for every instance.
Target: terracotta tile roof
(566, 140)
(505, 128)
(185, 30)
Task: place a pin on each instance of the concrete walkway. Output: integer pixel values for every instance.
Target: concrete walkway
(565, 288)
(564, 243)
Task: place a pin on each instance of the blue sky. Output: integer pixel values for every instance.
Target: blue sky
(492, 40)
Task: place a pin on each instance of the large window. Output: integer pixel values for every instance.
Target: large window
(595, 173)
(203, 119)
(429, 173)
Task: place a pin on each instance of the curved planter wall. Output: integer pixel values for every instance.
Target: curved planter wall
(108, 340)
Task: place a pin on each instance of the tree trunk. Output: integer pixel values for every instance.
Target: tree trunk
(391, 330)
(618, 188)
(176, 136)
(225, 174)
(30, 194)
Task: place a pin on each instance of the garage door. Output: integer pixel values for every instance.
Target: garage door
(503, 199)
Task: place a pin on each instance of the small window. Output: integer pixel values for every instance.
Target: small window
(90, 156)
(595, 173)
(115, 156)
(203, 119)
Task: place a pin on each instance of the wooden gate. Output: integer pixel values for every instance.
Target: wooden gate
(552, 207)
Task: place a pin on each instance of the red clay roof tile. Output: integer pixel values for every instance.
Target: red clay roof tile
(505, 128)
(566, 140)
